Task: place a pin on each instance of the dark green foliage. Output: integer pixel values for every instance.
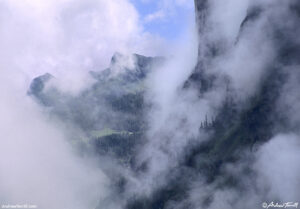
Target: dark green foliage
(111, 113)
(129, 103)
(174, 190)
(115, 102)
(120, 145)
(235, 129)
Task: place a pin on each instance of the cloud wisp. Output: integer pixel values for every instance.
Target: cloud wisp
(215, 124)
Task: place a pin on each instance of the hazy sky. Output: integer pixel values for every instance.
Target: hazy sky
(166, 18)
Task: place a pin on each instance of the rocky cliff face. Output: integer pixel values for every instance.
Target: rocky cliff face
(254, 70)
(110, 113)
(239, 127)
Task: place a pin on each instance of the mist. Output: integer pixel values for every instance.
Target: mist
(240, 57)
(40, 165)
(97, 112)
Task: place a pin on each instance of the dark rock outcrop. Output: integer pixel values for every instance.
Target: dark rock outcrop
(111, 111)
(235, 130)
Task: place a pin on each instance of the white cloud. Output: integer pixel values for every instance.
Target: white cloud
(158, 15)
(278, 167)
(67, 36)
(37, 164)
(167, 9)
